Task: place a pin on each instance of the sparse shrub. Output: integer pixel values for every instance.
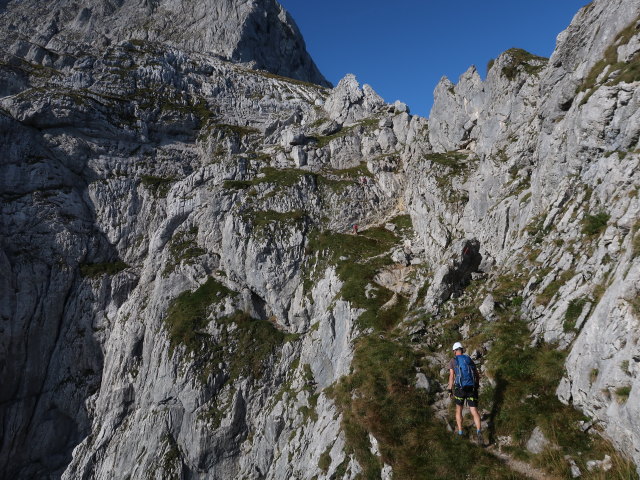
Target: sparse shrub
(183, 247)
(593, 376)
(536, 229)
(594, 224)
(403, 223)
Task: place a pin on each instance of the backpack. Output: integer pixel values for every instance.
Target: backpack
(465, 371)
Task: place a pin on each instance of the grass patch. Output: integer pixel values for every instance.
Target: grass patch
(624, 366)
(452, 160)
(187, 315)
(293, 81)
(234, 130)
(520, 60)
(403, 224)
(367, 123)
(573, 313)
(172, 458)
(285, 177)
(237, 184)
(289, 177)
(455, 164)
(159, 186)
(95, 270)
(324, 140)
(525, 379)
(325, 460)
(550, 290)
(507, 291)
(635, 245)
(623, 393)
(594, 224)
(262, 219)
(354, 173)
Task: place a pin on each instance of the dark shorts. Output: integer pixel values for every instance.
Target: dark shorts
(470, 394)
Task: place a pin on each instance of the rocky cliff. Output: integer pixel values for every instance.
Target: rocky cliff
(257, 32)
(183, 295)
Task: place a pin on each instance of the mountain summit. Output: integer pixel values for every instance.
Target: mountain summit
(259, 32)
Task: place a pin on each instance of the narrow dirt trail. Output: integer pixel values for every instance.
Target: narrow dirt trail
(520, 466)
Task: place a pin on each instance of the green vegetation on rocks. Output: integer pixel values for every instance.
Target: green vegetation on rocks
(243, 344)
(455, 164)
(159, 186)
(573, 312)
(627, 72)
(183, 248)
(623, 393)
(520, 60)
(525, 376)
(380, 398)
(358, 258)
(325, 460)
(95, 270)
(188, 314)
(552, 288)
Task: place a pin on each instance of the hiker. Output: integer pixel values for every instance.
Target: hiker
(463, 386)
(355, 229)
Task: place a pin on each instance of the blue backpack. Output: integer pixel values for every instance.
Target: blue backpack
(465, 371)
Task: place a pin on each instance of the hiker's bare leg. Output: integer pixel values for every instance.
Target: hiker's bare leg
(459, 416)
(476, 417)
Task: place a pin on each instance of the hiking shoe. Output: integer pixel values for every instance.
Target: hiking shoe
(479, 439)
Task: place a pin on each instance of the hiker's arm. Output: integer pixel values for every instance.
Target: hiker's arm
(451, 375)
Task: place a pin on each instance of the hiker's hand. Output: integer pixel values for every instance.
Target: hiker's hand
(450, 393)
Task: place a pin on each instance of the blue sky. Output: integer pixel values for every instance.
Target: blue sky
(403, 48)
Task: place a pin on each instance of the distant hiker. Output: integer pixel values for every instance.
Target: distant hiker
(355, 229)
(463, 385)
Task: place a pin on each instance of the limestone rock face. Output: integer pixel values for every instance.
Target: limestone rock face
(177, 294)
(258, 32)
(548, 145)
(348, 103)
